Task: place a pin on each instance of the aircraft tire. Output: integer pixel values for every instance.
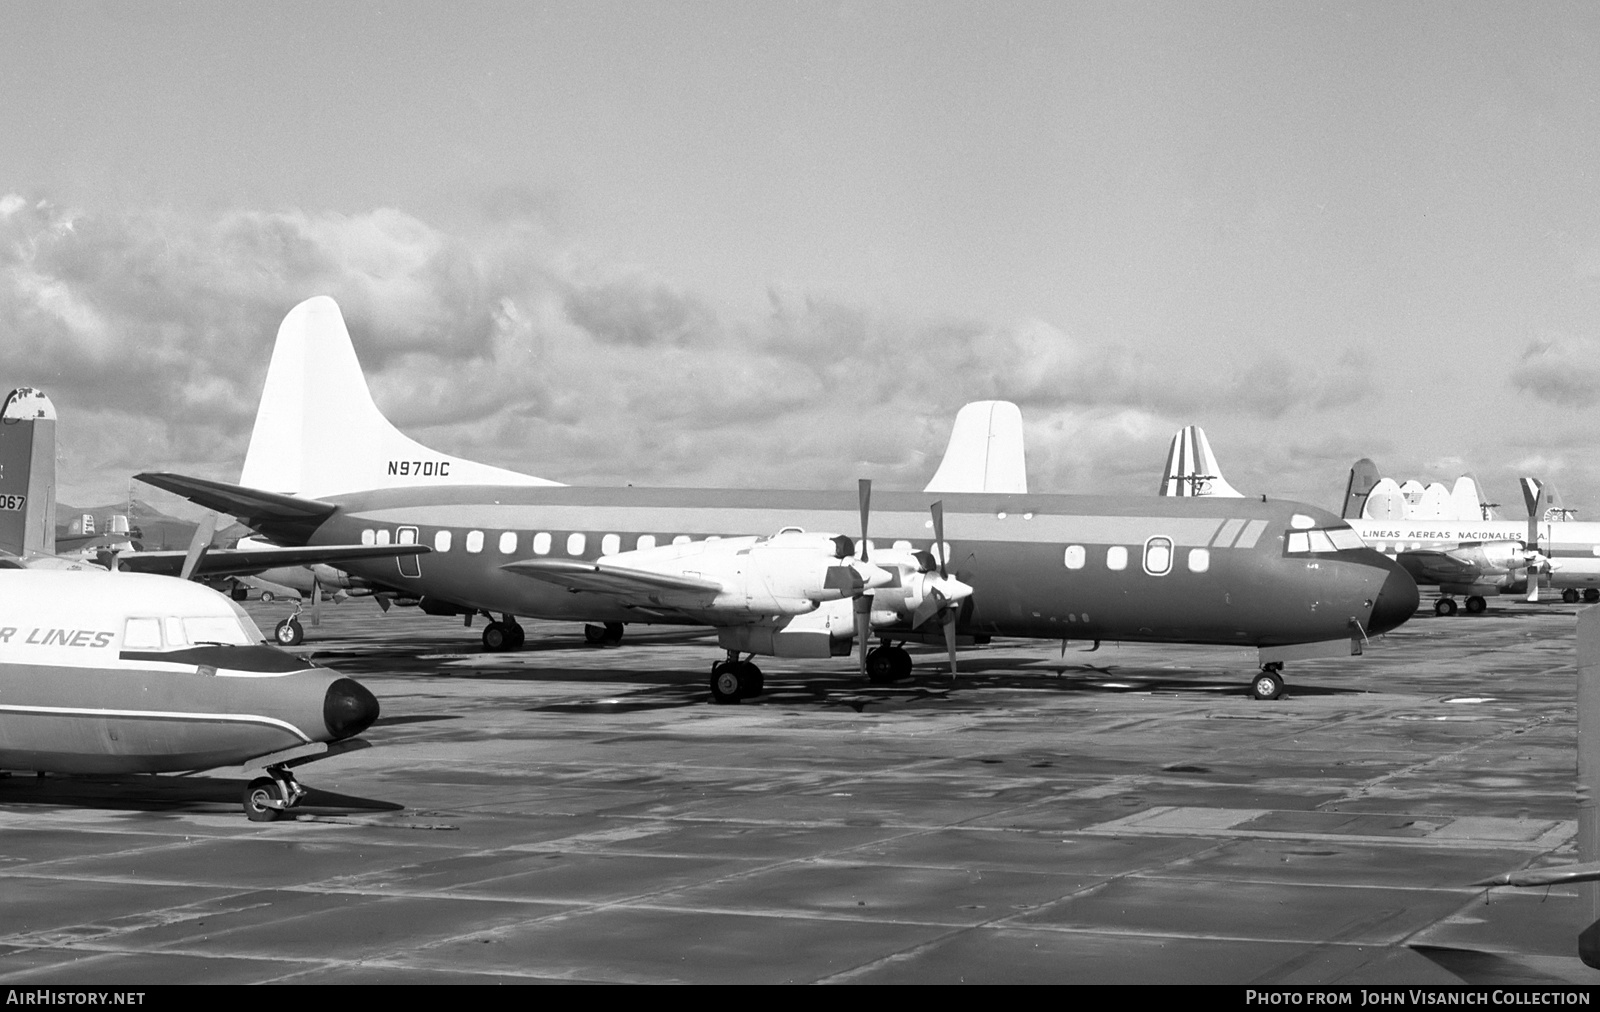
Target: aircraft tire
(1444, 607)
(751, 682)
(726, 685)
(288, 633)
(1476, 605)
(519, 636)
(1266, 685)
(267, 597)
(880, 665)
(594, 635)
(1591, 594)
(1570, 596)
(258, 797)
(497, 638)
(902, 663)
(612, 634)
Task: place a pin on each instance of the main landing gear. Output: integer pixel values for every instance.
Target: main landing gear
(1269, 683)
(268, 797)
(505, 634)
(733, 679)
(1446, 606)
(608, 635)
(888, 663)
(1589, 595)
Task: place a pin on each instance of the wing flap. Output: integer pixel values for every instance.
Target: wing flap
(616, 581)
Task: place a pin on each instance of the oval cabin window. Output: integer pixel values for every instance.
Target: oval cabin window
(1116, 557)
(1075, 557)
(575, 543)
(508, 543)
(1158, 556)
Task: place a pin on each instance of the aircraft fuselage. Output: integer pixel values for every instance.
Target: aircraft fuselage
(1069, 567)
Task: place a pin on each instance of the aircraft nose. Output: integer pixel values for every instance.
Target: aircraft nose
(1397, 601)
(348, 708)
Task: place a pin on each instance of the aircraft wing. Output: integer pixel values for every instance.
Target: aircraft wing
(1444, 567)
(254, 507)
(245, 561)
(632, 586)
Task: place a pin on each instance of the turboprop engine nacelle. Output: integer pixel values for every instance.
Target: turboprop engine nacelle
(916, 590)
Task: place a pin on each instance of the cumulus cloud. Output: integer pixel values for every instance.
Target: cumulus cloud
(152, 330)
(1560, 370)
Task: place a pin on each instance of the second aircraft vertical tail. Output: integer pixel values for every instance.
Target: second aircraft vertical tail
(27, 474)
(1192, 468)
(1363, 476)
(318, 431)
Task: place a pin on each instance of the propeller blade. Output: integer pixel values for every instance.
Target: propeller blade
(198, 545)
(863, 609)
(937, 509)
(932, 601)
(316, 600)
(950, 640)
(864, 493)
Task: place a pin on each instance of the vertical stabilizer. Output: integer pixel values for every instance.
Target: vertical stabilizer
(27, 474)
(1192, 468)
(1467, 505)
(1363, 476)
(1385, 502)
(318, 431)
(1433, 503)
(1555, 509)
(985, 452)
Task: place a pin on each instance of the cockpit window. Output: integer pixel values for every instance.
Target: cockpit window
(1329, 539)
(142, 634)
(217, 629)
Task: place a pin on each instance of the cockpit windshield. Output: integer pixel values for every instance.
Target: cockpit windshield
(1324, 539)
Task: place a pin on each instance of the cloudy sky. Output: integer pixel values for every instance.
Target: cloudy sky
(779, 244)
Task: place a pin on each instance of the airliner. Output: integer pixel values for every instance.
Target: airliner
(774, 572)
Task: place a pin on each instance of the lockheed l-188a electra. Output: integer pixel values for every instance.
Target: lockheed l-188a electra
(779, 572)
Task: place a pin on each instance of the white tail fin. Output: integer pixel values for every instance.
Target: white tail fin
(27, 474)
(1192, 468)
(1467, 503)
(985, 452)
(319, 433)
(1385, 502)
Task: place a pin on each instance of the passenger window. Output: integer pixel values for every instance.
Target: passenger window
(441, 541)
(407, 536)
(1116, 557)
(541, 543)
(1075, 557)
(383, 537)
(646, 541)
(474, 541)
(508, 542)
(142, 634)
(369, 537)
(903, 546)
(682, 539)
(1199, 560)
(611, 544)
(575, 543)
(1158, 556)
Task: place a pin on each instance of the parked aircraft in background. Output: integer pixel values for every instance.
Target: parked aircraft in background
(1476, 559)
(126, 673)
(28, 513)
(1060, 567)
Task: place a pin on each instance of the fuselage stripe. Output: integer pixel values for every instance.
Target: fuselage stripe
(228, 718)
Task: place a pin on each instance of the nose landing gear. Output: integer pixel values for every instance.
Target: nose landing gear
(268, 797)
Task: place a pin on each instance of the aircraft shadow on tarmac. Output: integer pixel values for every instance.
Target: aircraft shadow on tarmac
(968, 690)
(167, 795)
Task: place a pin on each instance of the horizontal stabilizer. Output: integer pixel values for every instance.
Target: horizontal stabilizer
(1589, 871)
(1192, 468)
(252, 506)
(985, 452)
(599, 578)
(246, 561)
